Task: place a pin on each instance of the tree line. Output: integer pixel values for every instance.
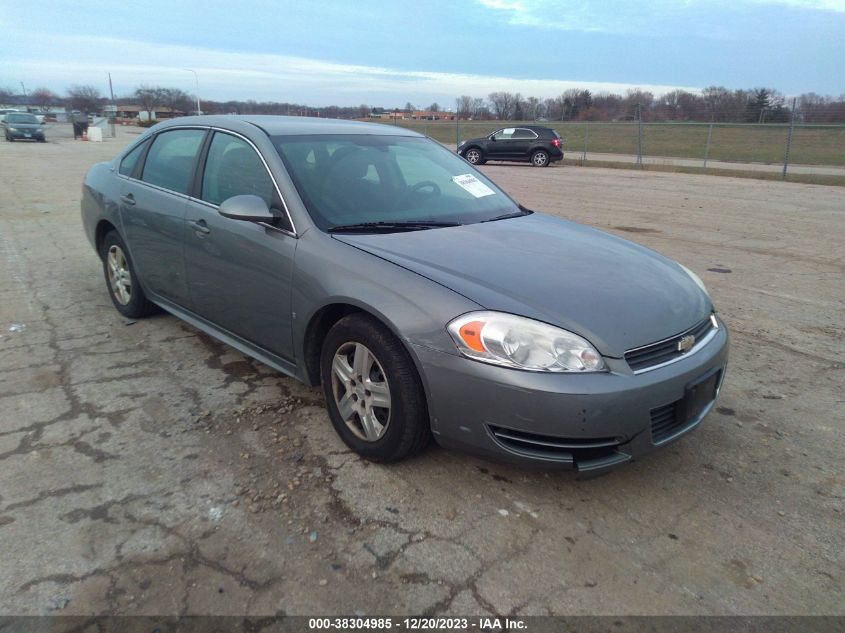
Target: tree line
(714, 103)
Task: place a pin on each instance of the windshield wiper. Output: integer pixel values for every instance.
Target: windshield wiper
(388, 227)
(515, 214)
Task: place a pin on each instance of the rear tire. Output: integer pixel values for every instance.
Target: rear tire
(388, 423)
(121, 279)
(540, 158)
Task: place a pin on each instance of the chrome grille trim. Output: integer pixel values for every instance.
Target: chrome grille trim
(709, 326)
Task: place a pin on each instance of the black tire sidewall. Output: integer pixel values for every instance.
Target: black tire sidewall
(408, 413)
(138, 305)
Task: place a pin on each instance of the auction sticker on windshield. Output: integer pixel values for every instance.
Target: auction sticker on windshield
(473, 185)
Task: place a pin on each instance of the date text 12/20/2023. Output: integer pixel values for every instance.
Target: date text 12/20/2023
(491, 624)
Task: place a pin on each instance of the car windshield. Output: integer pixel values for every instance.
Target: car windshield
(20, 118)
(384, 181)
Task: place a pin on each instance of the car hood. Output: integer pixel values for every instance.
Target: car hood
(615, 293)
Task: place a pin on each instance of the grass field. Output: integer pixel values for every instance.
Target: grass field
(811, 145)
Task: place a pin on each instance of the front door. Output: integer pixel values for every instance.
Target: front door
(501, 146)
(240, 272)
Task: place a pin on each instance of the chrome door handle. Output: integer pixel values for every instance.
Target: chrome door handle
(128, 199)
(201, 227)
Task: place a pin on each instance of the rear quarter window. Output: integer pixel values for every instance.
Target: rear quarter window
(127, 165)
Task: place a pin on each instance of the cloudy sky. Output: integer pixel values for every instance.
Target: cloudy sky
(387, 52)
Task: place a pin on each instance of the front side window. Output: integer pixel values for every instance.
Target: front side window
(503, 135)
(127, 165)
(356, 178)
(233, 168)
(170, 161)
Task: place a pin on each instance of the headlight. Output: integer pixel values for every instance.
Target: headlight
(462, 143)
(13, 129)
(521, 343)
(695, 278)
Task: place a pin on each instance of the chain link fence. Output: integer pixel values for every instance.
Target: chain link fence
(776, 148)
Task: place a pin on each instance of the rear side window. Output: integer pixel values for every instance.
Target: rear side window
(127, 165)
(170, 161)
(523, 133)
(233, 168)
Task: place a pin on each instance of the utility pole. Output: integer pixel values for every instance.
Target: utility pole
(789, 140)
(197, 93)
(640, 135)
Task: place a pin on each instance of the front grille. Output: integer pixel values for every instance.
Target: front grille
(553, 447)
(664, 422)
(649, 356)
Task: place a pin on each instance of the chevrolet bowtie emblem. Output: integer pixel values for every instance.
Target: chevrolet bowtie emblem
(686, 343)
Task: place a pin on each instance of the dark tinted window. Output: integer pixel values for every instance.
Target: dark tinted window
(233, 168)
(523, 133)
(170, 160)
(127, 165)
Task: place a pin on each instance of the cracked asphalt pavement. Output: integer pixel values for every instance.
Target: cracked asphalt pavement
(147, 469)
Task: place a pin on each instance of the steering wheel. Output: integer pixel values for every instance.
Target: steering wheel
(434, 189)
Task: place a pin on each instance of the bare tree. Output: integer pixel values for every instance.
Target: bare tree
(43, 97)
(149, 98)
(434, 107)
(84, 98)
(503, 104)
(409, 107)
(533, 108)
(479, 108)
(175, 99)
(6, 95)
(464, 106)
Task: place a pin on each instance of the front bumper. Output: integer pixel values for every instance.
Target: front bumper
(19, 134)
(587, 422)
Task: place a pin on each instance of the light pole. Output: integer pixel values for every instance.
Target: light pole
(197, 93)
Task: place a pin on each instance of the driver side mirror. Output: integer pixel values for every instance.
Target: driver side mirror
(492, 137)
(246, 207)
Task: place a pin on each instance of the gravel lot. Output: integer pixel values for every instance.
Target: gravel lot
(146, 469)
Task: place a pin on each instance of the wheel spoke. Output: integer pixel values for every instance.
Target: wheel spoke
(361, 361)
(341, 369)
(371, 426)
(381, 394)
(345, 408)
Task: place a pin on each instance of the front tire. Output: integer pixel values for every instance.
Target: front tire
(121, 279)
(540, 158)
(374, 395)
(474, 156)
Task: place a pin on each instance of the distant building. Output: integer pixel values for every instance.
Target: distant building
(131, 113)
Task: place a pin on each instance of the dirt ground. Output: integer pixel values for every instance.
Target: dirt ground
(146, 469)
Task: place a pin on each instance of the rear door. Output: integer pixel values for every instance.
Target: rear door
(153, 202)
(521, 142)
(240, 272)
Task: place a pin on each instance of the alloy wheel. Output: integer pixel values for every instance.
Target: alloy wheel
(473, 156)
(119, 276)
(361, 391)
(540, 159)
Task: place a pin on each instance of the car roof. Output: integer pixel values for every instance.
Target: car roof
(293, 125)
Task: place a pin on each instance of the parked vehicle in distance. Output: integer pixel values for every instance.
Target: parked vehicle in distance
(373, 261)
(23, 126)
(533, 144)
(4, 112)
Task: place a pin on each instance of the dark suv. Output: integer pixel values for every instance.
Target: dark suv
(527, 143)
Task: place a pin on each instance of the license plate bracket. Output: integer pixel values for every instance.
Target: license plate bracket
(697, 395)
